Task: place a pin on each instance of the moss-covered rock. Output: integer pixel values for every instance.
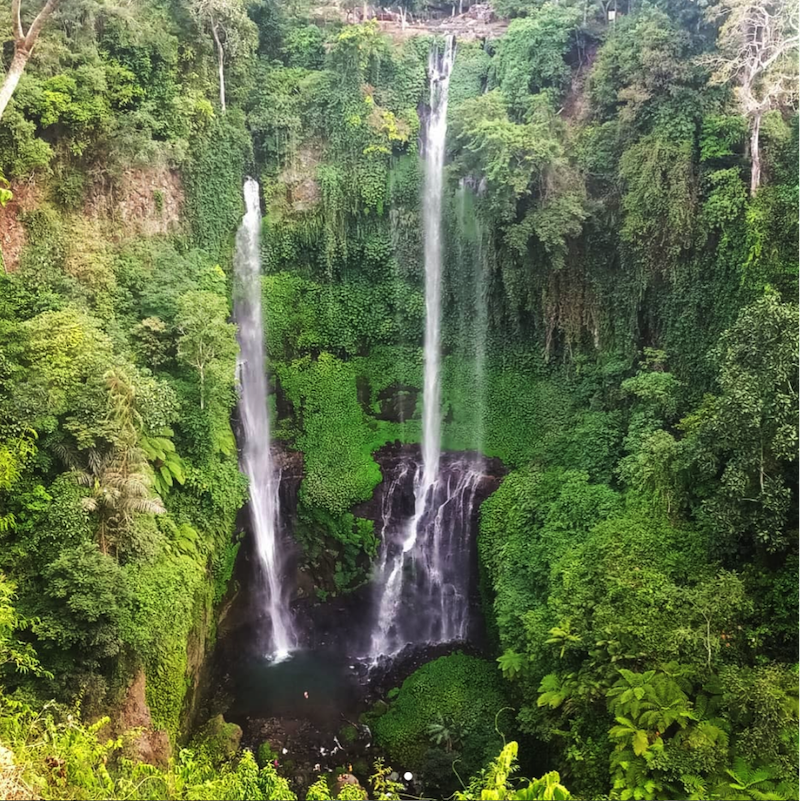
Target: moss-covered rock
(457, 688)
(219, 740)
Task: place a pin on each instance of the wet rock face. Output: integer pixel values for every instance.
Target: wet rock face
(426, 594)
(397, 403)
(394, 456)
(290, 465)
(220, 739)
(348, 620)
(150, 745)
(308, 707)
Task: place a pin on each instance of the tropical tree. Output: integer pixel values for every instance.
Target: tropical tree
(23, 46)
(119, 489)
(231, 28)
(118, 478)
(494, 782)
(443, 732)
(758, 51)
(206, 339)
(13, 652)
(744, 440)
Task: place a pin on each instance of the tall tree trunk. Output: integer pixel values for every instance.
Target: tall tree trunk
(221, 60)
(12, 78)
(755, 155)
(23, 45)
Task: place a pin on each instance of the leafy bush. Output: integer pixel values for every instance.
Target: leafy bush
(462, 688)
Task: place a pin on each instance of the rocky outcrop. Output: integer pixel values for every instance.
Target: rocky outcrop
(299, 177)
(145, 201)
(149, 744)
(12, 787)
(394, 456)
(142, 202)
(219, 739)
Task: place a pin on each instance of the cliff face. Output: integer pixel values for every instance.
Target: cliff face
(140, 203)
(12, 231)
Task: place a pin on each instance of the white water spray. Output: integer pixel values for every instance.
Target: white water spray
(256, 451)
(472, 249)
(439, 67)
(391, 573)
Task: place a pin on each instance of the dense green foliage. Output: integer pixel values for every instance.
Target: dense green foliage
(54, 755)
(119, 483)
(449, 711)
(619, 327)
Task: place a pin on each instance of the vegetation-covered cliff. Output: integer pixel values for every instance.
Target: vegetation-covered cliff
(619, 328)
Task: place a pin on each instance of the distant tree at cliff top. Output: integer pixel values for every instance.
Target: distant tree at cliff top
(23, 46)
(758, 52)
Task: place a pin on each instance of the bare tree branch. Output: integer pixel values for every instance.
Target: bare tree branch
(36, 25)
(16, 19)
(757, 47)
(23, 45)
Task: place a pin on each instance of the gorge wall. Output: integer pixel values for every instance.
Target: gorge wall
(616, 343)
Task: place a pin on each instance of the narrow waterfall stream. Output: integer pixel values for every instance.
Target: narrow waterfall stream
(257, 460)
(440, 66)
(472, 249)
(424, 544)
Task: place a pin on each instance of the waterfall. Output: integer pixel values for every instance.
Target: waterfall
(256, 451)
(423, 595)
(481, 334)
(428, 557)
(439, 67)
(471, 243)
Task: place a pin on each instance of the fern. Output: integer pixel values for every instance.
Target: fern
(167, 465)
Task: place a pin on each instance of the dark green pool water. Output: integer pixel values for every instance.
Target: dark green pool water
(318, 686)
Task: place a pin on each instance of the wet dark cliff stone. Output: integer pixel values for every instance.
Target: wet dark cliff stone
(393, 457)
(397, 403)
(246, 592)
(440, 603)
(344, 619)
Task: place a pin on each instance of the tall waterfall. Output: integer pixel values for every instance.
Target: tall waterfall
(439, 68)
(426, 543)
(256, 451)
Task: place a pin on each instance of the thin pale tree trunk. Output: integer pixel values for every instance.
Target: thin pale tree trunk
(23, 45)
(12, 78)
(755, 155)
(221, 61)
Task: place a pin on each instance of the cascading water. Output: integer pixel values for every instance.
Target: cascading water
(439, 67)
(426, 542)
(423, 593)
(256, 451)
